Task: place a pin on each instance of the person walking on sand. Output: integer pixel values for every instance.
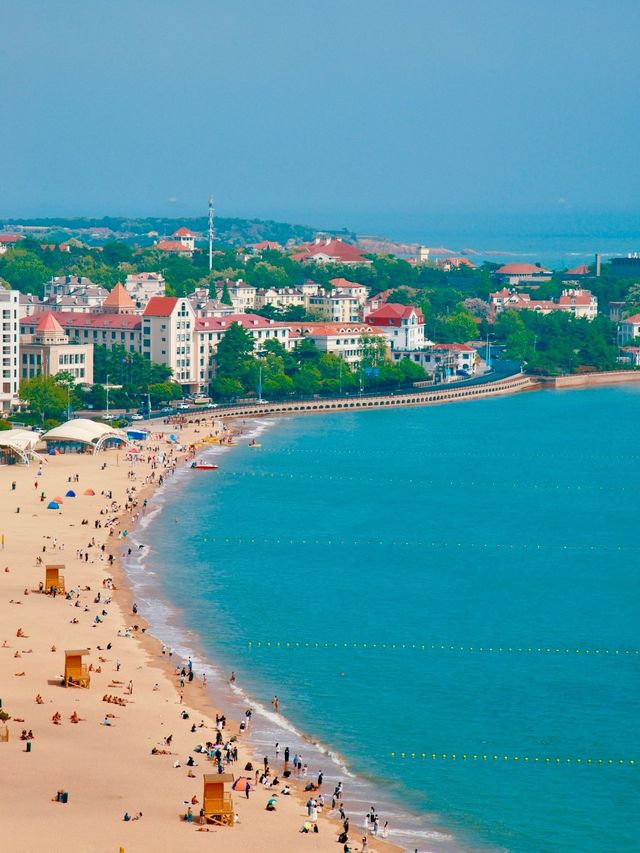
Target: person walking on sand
(247, 788)
(130, 686)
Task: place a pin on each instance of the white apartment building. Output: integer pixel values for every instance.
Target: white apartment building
(334, 306)
(341, 339)
(402, 325)
(629, 329)
(143, 286)
(284, 297)
(10, 348)
(243, 295)
(443, 359)
(168, 326)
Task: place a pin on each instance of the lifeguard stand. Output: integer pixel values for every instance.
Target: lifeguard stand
(76, 674)
(216, 799)
(52, 577)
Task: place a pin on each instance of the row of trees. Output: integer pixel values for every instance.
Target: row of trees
(305, 371)
(557, 343)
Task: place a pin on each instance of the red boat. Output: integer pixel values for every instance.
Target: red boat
(204, 466)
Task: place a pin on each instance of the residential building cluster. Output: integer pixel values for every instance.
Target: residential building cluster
(574, 300)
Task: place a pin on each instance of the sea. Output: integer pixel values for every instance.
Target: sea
(560, 238)
(443, 599)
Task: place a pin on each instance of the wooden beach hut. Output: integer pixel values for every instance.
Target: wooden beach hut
(76, 674)
(217, 800)
(52, 577)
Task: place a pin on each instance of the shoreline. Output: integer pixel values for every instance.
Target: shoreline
(188, 643)
(92, 819)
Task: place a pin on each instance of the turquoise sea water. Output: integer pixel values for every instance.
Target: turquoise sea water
(505, 524)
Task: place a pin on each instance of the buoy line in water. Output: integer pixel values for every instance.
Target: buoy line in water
(429, 647)
(458, 484)
(417, 543)
(455, 454)
(515, 759)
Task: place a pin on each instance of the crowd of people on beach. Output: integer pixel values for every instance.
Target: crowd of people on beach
(281, 775)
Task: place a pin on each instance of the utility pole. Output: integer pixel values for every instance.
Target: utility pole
(210, 233)
(107, 396)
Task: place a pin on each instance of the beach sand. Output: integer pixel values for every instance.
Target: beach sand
(108, 770)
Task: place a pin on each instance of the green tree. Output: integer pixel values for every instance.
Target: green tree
(374, 348)
(234, 349)
(225, 298)
(45, 396)
(24, 272)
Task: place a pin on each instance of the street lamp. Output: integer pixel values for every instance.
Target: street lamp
(107, 396)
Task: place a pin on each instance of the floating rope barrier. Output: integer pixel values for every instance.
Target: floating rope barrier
(515, 759)
(418, 543)
(435, 647)
(456, 454)
(458, 484)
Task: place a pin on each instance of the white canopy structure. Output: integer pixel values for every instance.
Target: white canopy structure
(82, 431)
(19, 442)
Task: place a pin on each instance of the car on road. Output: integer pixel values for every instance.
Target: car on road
(137, 417)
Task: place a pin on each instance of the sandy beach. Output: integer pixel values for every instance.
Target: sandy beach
(109, 770)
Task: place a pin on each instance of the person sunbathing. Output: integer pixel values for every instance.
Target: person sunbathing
(56, 719)
(156, 751)
(21, 633)
(74, 718)
(39, 700)
(19, 673)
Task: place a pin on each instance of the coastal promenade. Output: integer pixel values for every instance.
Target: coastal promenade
(458, 393)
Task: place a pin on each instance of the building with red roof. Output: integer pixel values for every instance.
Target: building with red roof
(341, 339)
(185, 237)
(47, 350)
(629, 329)
(329, 251)
(265, 246)
(173, 247)
(517, 273)
(119, 301)
(402, 325)
(448, 264)
(579, 302)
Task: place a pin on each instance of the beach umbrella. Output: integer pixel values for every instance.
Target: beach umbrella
(241, 784)
(53, 505)
(70, 494)
(89, 492)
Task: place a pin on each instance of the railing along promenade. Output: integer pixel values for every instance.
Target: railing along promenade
(422, 397)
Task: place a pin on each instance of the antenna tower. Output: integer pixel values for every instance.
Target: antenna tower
(211, 233)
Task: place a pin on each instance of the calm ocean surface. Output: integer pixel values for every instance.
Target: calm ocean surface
(507, 523)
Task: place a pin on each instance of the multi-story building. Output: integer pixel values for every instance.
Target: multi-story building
(107, 330)
(243, 295)
(209, 331)
(334, 306)
(402, 325)
(168, 325)
(444, 360)
(73, 293)
(48, 351)
(579, 302)
(517, 273)
(9, 347)
(142, 286)
(283, 297)
(629, 329)
(341, 339)
(326, 250)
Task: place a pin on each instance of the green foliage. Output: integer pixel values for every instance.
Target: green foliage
(44, 396)
(557, 343)
(4, 424)
(24, 271)
(225, 298)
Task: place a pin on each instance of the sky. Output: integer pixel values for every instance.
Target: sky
(333, 112)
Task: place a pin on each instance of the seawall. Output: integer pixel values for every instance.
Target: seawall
(583, 380)
(511, 385)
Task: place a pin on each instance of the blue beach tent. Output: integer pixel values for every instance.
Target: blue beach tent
(70, 494)
(53, 505)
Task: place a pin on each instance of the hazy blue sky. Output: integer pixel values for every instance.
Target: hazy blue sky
(334, 112)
